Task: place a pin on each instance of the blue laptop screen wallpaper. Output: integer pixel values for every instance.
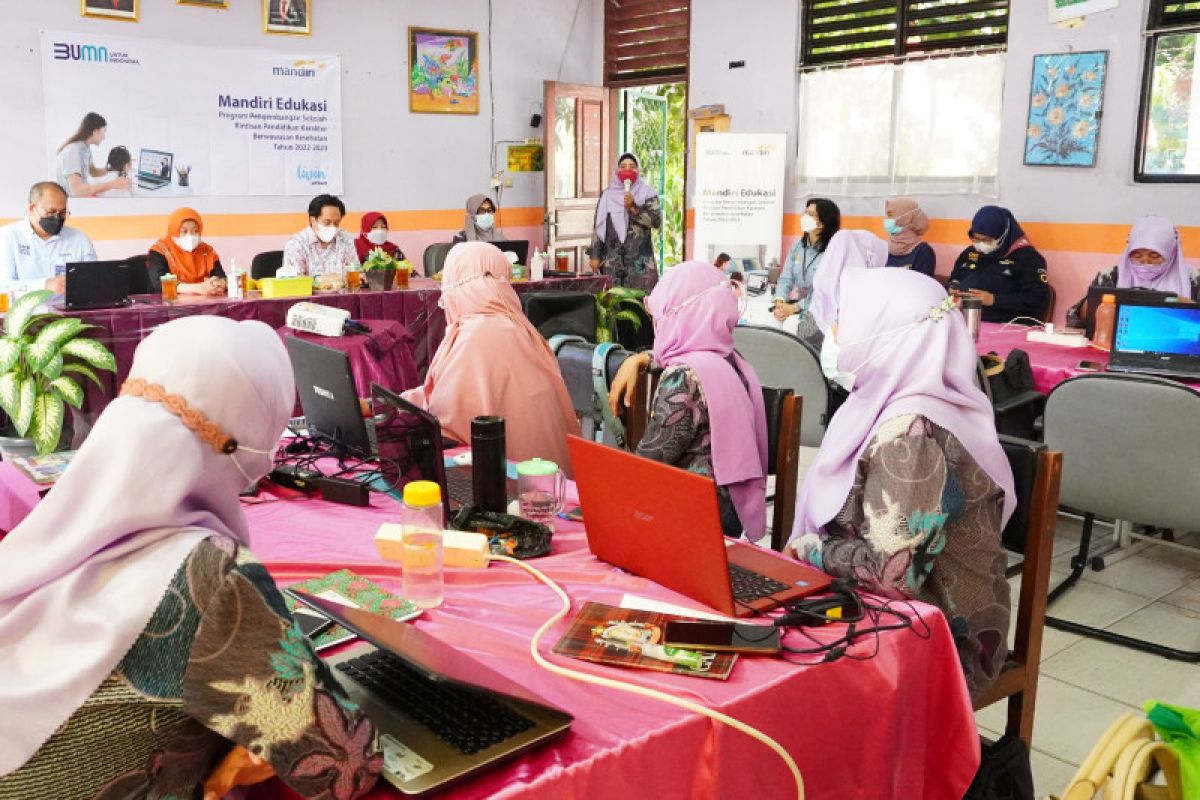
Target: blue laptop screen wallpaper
(1158, 329)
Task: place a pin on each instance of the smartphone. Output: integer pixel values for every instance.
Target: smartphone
(722, 636)
(1089, 366)
(311, 623)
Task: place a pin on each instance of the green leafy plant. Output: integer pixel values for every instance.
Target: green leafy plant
(379, 259)
(39, 355)
(617, 304)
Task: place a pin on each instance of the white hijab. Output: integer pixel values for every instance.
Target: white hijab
(84, 572)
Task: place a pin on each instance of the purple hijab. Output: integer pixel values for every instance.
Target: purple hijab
(612, 204)
(910, 356)
(695, 311)
(1173, 275)
(847, 249)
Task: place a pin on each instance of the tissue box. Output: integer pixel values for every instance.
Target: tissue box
(301, 286)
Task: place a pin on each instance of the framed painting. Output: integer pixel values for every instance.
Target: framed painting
(290, 17)
(1063, 10)
(443, 71)
(204, 3)
(1066, 94)
(110, 9)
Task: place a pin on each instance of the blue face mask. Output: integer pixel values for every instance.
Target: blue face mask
(891, 226)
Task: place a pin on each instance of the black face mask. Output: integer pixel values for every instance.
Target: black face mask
(51, 225)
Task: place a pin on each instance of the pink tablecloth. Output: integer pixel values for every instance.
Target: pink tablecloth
(1051, 364)
(383, 356)
(898, 725)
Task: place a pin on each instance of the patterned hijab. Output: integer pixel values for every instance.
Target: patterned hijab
(910, 353)
(89, 566)
(471, 229)
(912, 221)
(190, 267)
(1172, 275)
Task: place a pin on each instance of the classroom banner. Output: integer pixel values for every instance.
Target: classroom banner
(196, 120)
(739, 196)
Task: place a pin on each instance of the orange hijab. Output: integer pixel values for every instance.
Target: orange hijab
(190, 267)
(492, 361)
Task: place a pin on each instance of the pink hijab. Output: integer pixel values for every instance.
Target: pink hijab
(911, 354)
(493, 362)
(88, 567)
(912, 221)
(695, 311)
(847, 249)
(1173, 275)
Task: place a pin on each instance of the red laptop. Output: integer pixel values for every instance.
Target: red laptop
(662, 523)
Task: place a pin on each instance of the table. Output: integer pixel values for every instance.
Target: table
(1052, 364)
(383, 356)
(896, 726)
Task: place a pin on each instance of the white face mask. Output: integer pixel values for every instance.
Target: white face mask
(485, 221)
(257, 472)
(187, 243)
(326, 232)
(808, 223)
(830, 350)
(377, 236)
(986, 248)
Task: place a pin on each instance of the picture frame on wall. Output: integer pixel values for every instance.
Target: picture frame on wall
(1063, 10)
(443, 71)
(1066, 97)
(289, 17)
(110, 9)
(204, 3)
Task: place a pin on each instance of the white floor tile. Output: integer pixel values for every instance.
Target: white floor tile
(991, 720)
(1188, 597)
(1124, 675)
(1144, 576)
(1055, 642)
(1165, 624)
(1184, 558)
(1069, 719)
(1092, 604)
(1050, 775)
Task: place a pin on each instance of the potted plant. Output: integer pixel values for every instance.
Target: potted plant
(380, 270)
(618, 305)
(39, 355)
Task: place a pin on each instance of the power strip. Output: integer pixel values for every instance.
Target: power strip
(1060, 339)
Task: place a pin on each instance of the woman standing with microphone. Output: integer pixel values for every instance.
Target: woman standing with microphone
(626, 216)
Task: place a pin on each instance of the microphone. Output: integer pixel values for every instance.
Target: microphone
(628, 183)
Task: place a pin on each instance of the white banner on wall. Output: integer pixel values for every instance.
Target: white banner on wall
(215, 121)
(739, 195)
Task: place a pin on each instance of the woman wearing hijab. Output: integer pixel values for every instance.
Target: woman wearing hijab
(819, 223)
(905, 224)
(910, 489)
(374, 235)
(628, 213)
(481, 221)
(1153, 259)
(182, 254)
(139, 639)
(493, 362)
(707, 414)
(1001, 268)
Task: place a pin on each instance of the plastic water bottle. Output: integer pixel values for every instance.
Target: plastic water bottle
(232, 287)
(421, 560)
(1106, 318)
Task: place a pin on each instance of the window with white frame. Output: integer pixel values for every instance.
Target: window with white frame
(1169, 133)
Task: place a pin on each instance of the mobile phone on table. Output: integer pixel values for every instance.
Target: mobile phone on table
(311, 623)
(1089, 366)
(734, 637)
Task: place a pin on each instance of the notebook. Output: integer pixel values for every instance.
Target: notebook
(663, 523)
(441, 714)
(1157, 338)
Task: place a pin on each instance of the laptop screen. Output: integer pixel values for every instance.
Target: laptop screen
(1172, 329)
(154, 164)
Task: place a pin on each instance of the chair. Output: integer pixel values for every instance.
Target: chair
(561, 313)
(265, 265)
(785, 361)
(783, 409)
(575, 363)
(435, 257)
(1037, 472)
(1131, 443)
(140, 279)
(1018, 411)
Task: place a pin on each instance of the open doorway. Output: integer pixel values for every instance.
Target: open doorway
(652, 124)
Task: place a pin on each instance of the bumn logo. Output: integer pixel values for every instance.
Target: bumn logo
(80, 52)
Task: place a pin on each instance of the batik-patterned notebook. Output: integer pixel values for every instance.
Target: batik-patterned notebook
(349, 589)
(627, 637)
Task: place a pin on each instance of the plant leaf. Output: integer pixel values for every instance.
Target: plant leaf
(50, 338)
(54, 367)
(47, 425)
(10, 394)
(92, 352)
(18, 317)
(24, 415)
(69, 390)
(84, 369)
(10, 353)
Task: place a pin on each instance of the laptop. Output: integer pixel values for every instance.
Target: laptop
(1157, 338)
(1096, 294)
(154, 168)
(97, 284)
(441, 715)
(518, 247)
(662, 522)
(329, 397)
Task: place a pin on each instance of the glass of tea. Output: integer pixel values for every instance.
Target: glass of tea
(353, 279)
(170, 288)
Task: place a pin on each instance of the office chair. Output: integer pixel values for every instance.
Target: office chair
(785, 361)
(140, 279)
(265, 265)
(561, 313)
(434, 257)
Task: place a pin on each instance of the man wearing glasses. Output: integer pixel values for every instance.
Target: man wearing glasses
(34, 251)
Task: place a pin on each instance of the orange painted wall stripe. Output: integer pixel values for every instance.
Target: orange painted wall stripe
(152, 226)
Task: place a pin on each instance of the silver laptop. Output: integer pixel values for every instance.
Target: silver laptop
(441, 715)
(1157, 337)
(154, 168)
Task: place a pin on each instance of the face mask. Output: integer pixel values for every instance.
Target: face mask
(187, 243)
(326, 233)
(892, 227)
(808, 223)
(986, 247)
(630, 175)
(51, 225)
(829, 363)
(258, 473)
(485, 221)
(377, 236)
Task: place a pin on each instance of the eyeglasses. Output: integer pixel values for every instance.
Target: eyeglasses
(60, 214)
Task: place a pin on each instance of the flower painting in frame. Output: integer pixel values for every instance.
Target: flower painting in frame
(1065, 99)
(444, 71)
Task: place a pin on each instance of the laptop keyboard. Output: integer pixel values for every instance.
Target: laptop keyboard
(466, 721)
(749, 586)
(460, 487)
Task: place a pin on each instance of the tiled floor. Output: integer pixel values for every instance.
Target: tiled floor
(1149, 591)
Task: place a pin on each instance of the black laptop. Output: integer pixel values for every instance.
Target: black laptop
(518, 247)
(1096, 294)
(1157, 338)
(329, 398)
(441, 715)
(97, 284)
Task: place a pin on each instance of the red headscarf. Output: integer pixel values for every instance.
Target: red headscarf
(363, 245)
(190, 267)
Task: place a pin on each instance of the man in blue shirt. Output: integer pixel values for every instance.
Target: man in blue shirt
(34, 251)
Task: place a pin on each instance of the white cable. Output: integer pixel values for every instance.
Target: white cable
(1016, 321)
(576, 675)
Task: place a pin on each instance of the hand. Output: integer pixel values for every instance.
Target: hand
(783, 310)
(987, 298)
(629, 201)
(217, 286)
(594, 264)
(57, 285)
(239, 768)
(620, 396)
(122, 183)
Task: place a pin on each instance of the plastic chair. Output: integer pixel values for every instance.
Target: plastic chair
(561, 313)
(265, 265)
(1130, 443)
(434, 257)
(784, 361)
(1036, 476)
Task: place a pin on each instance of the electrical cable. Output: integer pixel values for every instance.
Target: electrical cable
(642, 691)
(567, 43)
(491, 90)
